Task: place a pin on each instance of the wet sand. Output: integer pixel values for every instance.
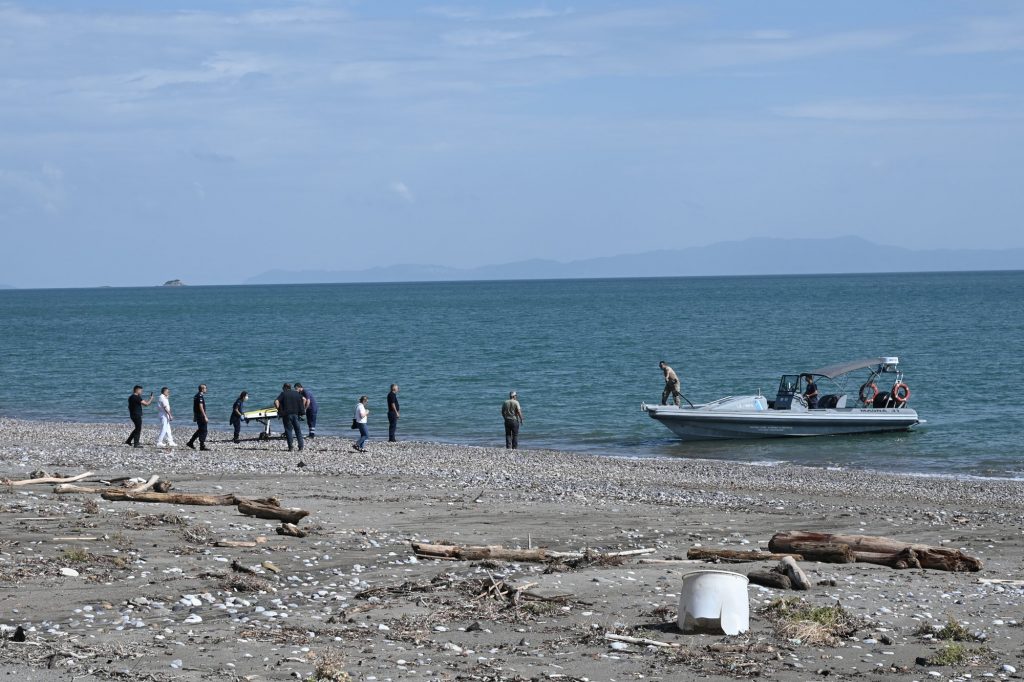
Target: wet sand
(154, 599)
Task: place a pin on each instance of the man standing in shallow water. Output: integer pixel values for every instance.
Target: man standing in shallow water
(512, 413)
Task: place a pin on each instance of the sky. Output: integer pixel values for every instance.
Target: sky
(141, 142)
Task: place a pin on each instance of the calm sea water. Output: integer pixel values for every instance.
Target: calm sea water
(582, 354)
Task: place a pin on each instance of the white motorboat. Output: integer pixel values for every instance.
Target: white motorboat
(879, 406)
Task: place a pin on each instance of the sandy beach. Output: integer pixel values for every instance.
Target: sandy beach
(140, 591)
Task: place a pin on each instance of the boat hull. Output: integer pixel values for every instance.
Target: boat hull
(697, 424)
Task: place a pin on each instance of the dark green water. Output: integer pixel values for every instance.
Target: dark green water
(583, 354)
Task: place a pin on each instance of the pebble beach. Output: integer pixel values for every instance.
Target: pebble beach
(142, 591)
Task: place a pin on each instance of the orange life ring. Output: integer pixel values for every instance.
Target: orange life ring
(865, 396)
(901, 392)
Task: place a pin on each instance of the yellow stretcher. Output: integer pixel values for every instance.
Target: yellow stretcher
(263, 416)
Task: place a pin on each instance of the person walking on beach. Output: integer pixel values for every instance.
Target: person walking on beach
(201, 419)
(671, 384)
(163, 406)
(237, 414)
(361, 416)
(290, 406)
(311, 409)
(135, 405)
(393, 413)
(512, 413)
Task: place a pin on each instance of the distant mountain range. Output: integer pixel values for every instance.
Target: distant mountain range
(758, 256)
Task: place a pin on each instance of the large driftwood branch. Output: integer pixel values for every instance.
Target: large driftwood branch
(732, 555)
(116, 495)
(262, 510)
(47, 480)
(867, 548)
(497, 552)
(153, 482)
(827, 552)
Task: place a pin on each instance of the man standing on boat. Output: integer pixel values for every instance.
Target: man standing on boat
(671, 384)
(811, 393)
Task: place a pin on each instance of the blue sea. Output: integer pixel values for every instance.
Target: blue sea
(583, 355)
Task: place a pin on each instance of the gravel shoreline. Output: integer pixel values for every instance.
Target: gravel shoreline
(136, 591)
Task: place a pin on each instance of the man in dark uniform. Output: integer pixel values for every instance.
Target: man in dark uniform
(135, 405)
(200, 418)
(290, 406)
(393, 413)
(811, 392)
(311, 409)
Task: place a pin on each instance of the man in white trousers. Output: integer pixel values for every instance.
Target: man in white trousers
(163, 405)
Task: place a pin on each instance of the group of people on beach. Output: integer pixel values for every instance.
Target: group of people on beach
(293, 403)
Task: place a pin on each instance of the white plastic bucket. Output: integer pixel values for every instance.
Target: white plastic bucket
(714, 601)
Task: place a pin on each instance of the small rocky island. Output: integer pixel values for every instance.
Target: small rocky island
(174, 283)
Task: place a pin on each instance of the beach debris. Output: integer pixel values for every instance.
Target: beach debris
(47, 480)
(138, 487)
(611, 636)
(271, 509)
(292, 530)
(795, 574)
(236, 543)
(198, 499)
(796, 620)
(882, 550)
(499, 553)
(734, 555)
(773, 578)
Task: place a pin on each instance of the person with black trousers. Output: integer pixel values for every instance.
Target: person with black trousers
(135, 405)
(199, 417)
(393, 413)
(290, 407)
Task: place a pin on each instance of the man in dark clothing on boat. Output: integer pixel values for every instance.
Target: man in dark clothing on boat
(811, 392)
(671, 384)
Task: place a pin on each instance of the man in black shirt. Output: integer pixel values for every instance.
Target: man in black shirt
(200, 418)
(135, 405)
(290, 406)
(393, 413)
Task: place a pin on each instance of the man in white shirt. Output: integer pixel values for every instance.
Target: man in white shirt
(163, 406)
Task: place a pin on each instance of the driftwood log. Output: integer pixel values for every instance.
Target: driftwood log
(770, 579)
(499, 553)
(827, 552)
(881, 550)
(795, 574)
(260, 509)
(292, 530)
(46, 480)
(732, 555)
(154, 482)
(116, 495)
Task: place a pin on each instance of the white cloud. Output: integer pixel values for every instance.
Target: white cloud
(903, 109)
(45, 187)
(402, 191)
